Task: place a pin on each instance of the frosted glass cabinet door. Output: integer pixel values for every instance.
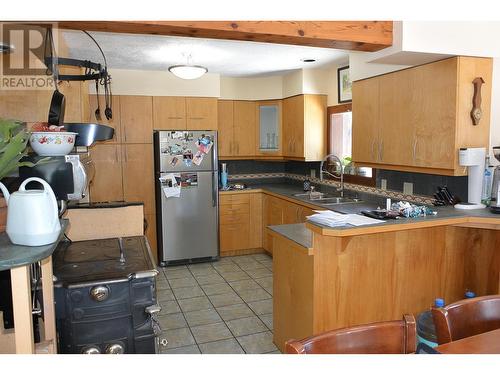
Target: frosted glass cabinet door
(269, 126)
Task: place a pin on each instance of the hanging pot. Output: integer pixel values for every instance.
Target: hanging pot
(57, 109)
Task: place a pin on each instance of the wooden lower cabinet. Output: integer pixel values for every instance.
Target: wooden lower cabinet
(277, 211)
(364, 278)
(125, 173)
(150, 222)
(240, 222)
(273, 212)
(107, 184)
(293, 283)
(138, 175)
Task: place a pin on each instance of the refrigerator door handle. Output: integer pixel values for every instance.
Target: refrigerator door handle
(215, 188)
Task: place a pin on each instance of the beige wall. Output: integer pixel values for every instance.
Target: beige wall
(292, 83)
(258, 88)
(161, 83)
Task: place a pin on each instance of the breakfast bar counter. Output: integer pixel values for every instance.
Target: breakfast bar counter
(356, 275)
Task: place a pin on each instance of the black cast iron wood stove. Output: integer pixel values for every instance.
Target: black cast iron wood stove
(105, 295)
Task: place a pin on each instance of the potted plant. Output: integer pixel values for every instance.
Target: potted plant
(13, 147)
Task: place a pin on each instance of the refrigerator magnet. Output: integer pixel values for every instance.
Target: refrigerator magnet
(174, 161)
(198, 157)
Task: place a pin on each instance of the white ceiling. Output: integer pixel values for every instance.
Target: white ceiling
(225, 57)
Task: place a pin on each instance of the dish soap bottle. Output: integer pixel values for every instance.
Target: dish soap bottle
(307, 184)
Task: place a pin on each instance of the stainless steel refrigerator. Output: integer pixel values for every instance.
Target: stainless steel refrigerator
(187, 203)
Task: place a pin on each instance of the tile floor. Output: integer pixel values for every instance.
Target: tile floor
(222, 307)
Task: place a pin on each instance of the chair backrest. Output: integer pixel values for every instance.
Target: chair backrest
(466, 318)
(394, 337)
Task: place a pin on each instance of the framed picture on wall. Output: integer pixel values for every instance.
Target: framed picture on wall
(344, 85)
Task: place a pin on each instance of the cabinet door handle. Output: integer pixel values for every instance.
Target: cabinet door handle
(116, 155)
(175, 118)
(381, 151)
(373, 150)
(415, 149)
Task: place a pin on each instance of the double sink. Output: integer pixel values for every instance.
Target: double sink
(325, 198)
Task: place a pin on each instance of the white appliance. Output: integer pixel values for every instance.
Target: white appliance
(473, 158)
(32, 215)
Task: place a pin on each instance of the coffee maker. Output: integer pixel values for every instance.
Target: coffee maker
(495, 190)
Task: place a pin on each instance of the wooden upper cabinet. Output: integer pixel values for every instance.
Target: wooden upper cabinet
(417, 119)
(115, 122)
(293, 114)
(434, 123)
(269, 136)
(304, 127)
(314, 147)
(201, 113)
(244, 128)
(365, 120)
(136, 113)
(138, 175)
(169, 112)
(225, 127)
(107, 184)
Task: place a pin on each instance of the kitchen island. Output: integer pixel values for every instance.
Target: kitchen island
(327, 278)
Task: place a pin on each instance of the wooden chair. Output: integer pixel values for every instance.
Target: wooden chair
(466, 318)
(394, 337)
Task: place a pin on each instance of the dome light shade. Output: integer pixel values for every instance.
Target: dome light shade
(188, 71)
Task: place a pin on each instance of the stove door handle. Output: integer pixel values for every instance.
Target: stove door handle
(152, 310)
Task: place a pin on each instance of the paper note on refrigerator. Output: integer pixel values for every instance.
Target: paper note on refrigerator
(170, 187)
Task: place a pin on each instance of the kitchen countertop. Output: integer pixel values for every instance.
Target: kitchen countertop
(446, 215)
(12, 256)
(298, 233)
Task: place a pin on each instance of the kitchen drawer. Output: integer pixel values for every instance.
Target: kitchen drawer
(226, 199)
(234, 209)
(235, 218)
(234, 236)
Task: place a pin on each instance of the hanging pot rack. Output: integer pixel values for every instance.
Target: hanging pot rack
(93, 71)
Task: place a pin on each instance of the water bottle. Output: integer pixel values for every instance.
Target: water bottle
(469, 294)
(439, 302)
(223, 176)
(487, 182)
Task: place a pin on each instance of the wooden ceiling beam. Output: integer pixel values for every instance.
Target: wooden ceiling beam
(366, 36)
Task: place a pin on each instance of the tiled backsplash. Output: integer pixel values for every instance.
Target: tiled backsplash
(253, 166)
(424, 185)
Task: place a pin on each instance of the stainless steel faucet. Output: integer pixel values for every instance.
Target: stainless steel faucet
(321, 171)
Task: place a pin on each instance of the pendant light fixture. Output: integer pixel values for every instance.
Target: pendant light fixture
(188, 71)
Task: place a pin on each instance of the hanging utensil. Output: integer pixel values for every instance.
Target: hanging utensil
(109, 97)
(57, 109)
(98, 110)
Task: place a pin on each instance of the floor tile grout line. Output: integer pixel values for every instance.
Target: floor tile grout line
(215, 308)
(210, 301)
(255, 314)
(184, 316)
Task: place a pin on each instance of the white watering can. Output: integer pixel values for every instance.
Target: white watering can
(32, 215)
